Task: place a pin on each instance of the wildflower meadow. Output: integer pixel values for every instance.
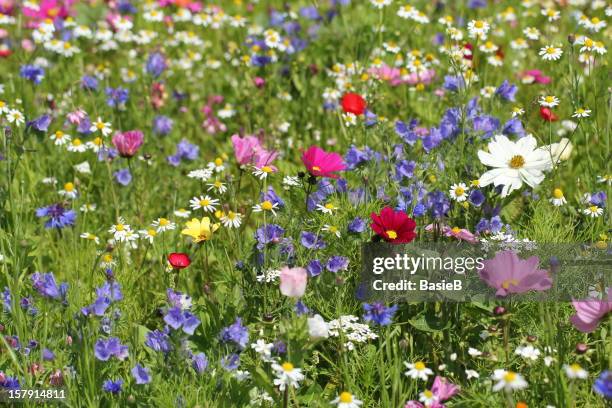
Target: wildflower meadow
(189, 188)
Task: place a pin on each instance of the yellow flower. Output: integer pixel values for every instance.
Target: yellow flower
(200, 230)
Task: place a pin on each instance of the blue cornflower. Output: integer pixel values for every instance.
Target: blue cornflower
(236, 333)
(514, 127)
(378, 313)
(603, 384)
(114, 387)
(271, 196)
(58, 216)
(454, 83)
(181, 319)
(184, 151)
(406, 132)
(268, 234)
(162, 125)
(485, 124)
(301, 308)
(476, 197)
(311, 241)
(437, 203)
(199, 362)
(123, 176)
(89, 82)
(6, 299)
(141, 374)
(45, 285)
(314, 268)
(41, 123)
(9, 383)
(48, 355)
(32, 73)
(116, 97)
(231, 362)
(357, 225)
(404, 169)
(158, 340)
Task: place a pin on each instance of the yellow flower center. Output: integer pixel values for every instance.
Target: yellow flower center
(575, 367)
(287, 367)
(333, 229)
(595, 20)
(346, 397)
(459, 191)
(266, 205)
(593, 208)
(549, 99)
(69, 187)
(391, 234)
(419, 365)
(58, 135)
(329, 206)
(97, 141)
(100, 125)
(218, 161)
(510, 376)
(152, 232)
(266, 169)
(428, 393)
(231, 215)
(204, 203)
(516, 162)
(551, 50)
(218, 184)
(478, 24)
(588, 42)
(163, 222)
(77, 142)
(316, 168)
(558, 193)
(107, 258)
(506, 284)
(456, 230)
(119, 227)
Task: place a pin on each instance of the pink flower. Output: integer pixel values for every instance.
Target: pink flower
(49, 9)
(76, 117)
(531, 76)
(128, 143)
(293, 281)
(248, 150)
(461, 234)
(259, 82)
(319, 163)
(507, 273)
(394, 76)
(590, 311)
(443, 389)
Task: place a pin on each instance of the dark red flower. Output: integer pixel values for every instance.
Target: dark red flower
(179, 260)
(547, 114)
(468, 51)
(320, 163)
(353, 103)
(393, 226)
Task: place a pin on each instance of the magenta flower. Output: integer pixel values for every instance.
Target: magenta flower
(248, 150)
(590, 311)
(507, 273)
(534, 76)
(319, 163)
(128, 143)
(461, 234)
(293, 281)
(441, 390)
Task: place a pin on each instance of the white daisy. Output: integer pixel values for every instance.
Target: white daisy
(77, 146)
(558, 199)
(163, 224)
(593, 211)
(262, 172)
(346, 400)
(69, 191)
(550, 53)
(16, 117)
(581, 113)
(508, 380)
(120, 230)
(417, 370)
(90, 237)
(205, 203)
(182, 213)
(217, 185)
(550, 101)
(478, 29)
(148, 234)
(200, 174)
(575, 371)
(287, 376)
(60, 138)
(266, 205)
(332, 229)
(231, 219)
(101, 126)
(458, 192)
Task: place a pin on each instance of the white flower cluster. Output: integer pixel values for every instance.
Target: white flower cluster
(269, 276)
(351, 330)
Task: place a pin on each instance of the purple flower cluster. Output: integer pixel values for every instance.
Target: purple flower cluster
(184, 151)
(235, 333)
(111, 347)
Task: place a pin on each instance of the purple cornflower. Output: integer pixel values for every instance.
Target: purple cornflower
(378, 313)
(453, 83)
(514, 127)
(314, 268)
(236, 333)
(184, 151)
(141, 374)
(6, 299)
(603, 384)
(437, 203)
(268, 234)
(9, 383)
(404, 169)
(32, 73)
(485, 124)
(89, 82)
(41, 123)
(231, 362)
(357, 225)
(48, 355)
(114, 387)
(105, 349)
(158, 340)
(162, 125)
(181, 319)
(45, 285)
(123, 176)
(301, 308)
(271, 196)
(311, 241)
(506, 91)
(156, 64)
(476, 197)
(337, 263)
(199, 362)
(58, 216)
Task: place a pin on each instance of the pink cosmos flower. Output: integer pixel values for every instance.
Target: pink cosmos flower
(128, 143)
(461, 234)
(394, 76)
(248, 150)
(319, 163)
(76, 117)
(531, 76)
(49, 9)
(507, 273)
(590, 311)
(441, 390)
(293, 281)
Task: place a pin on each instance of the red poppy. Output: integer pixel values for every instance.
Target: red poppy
(5, 52)
(353, 103)
(319, 163)
(179, 260)
(548, 115)
(393, 226)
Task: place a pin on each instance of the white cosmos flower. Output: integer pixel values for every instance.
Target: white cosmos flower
(514, 163)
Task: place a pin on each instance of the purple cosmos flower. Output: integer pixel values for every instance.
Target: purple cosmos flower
(378, 313)
(311, 241)
(603, 384)
(162, 125)
(158, 340)
(105, 349)
(337, 263)
(314, 268)
(181, 319)
(32, 73)
(141, 374)
(114, 387)
(123, 176)
(506, 91)
(236, 333)
(45, 285)
(199, 362)
(508, 274)
(58, 216)
(357, 225)
(156, 64)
